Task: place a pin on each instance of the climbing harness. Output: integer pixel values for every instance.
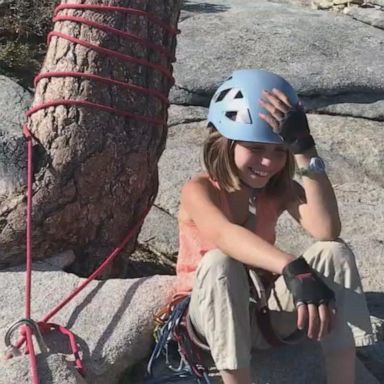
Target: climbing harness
(259, 297)
(27, 326)
(175, 329)
(172, 331)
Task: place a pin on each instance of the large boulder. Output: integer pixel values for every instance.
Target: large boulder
(371, 16)
(332, 60)
(52, 368)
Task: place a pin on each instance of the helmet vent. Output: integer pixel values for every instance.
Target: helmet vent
(242, 116)
(222, 94)
(239, 95)
(231, 115)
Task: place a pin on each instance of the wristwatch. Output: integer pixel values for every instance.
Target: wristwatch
(316, 165)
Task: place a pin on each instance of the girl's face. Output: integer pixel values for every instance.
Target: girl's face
(258, 162)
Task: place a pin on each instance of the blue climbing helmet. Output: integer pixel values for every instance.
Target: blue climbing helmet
(234, 107)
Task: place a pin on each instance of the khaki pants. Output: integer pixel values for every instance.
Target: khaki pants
(220, 307)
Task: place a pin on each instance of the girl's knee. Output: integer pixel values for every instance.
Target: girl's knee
(336, 252)
(335, 261)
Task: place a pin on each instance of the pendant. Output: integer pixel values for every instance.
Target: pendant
(252, 205)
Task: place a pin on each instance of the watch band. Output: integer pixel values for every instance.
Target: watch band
(316, 166)
(303, 172)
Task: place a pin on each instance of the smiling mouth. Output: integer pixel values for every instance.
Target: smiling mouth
(259, 173)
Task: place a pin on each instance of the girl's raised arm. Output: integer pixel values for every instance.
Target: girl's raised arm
(314, 203)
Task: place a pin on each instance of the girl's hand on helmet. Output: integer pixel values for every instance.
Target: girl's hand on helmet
(313, 298)
(290, 122)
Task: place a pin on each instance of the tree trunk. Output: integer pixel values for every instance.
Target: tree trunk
(95, 172)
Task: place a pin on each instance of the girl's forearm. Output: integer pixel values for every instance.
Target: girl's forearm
(248, 248)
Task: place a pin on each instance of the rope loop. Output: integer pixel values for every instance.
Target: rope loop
(162, 69)
(132, 11)
(27, 326)
(126, 35)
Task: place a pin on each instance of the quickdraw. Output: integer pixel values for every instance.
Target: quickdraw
(171, 331)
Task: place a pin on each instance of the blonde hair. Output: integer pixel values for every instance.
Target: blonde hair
(219, 161)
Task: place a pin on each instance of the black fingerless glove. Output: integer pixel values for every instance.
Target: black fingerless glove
(294, 129)
(305, 285)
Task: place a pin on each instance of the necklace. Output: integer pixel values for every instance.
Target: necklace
(253, 194)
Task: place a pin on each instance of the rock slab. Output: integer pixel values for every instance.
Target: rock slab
(112, 320)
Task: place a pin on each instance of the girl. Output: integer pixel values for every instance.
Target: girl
(257, 132)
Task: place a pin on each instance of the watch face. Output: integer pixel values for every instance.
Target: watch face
(317, 165)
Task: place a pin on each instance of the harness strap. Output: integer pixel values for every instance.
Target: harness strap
(263, 317)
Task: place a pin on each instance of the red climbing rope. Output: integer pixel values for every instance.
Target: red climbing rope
(132, 11)
(126, 35)
(107, 80)
(100, 107)
(26, 331)
(110, 52)
(30, 327)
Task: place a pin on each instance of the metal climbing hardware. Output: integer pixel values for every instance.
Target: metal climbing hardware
(35, 331)
(171, 333)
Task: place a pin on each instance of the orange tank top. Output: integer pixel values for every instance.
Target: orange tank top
(193, 246)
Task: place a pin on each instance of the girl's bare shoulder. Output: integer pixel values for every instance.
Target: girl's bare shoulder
(200, 180)
(198, 188)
